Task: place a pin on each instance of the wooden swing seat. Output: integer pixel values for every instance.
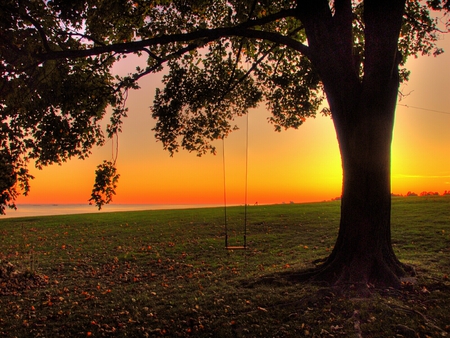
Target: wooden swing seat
(236, 247)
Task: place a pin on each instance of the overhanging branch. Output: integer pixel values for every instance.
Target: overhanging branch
(243, 30)
(40, 30)
(211, 34)
(163, 60)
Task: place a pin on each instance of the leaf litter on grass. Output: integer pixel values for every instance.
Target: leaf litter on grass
(167, 274)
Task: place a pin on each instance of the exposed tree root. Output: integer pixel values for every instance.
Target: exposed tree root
(355, 278)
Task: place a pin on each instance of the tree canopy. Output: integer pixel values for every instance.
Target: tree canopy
(224, 57)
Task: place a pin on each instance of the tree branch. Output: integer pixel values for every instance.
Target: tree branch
(84, 36)
(243, 30)
(232, 86)
(309, 9)
(421, 25)
(343, 16)
(211, 34)
(39, 29)
(317, 18)
(383, 19)
(161, 61)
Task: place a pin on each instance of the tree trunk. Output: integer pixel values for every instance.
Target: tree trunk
(363, 110)
(363, 252)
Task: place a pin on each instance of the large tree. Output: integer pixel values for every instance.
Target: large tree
(223, 57)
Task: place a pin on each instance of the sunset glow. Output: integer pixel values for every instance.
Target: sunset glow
(295, 165)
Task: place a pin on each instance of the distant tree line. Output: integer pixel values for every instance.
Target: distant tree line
(410, 193)
(427, 193)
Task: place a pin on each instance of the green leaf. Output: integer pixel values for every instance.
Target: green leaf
(105, 185)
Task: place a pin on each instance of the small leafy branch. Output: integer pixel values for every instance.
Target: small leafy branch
(105, 185)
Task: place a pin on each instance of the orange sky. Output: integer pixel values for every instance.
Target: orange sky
(295, 165)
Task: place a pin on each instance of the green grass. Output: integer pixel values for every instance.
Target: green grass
(154, 273)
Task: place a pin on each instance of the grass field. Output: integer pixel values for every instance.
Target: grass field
(166, 273)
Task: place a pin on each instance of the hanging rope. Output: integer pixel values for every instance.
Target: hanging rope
(231, 87)
(246, 182)
(115, 136)
(114, 147)
(224, 192)
(227, 246)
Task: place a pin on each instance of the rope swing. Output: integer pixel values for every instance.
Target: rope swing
(227, 246)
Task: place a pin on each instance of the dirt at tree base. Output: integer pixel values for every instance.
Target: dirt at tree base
(344, 281)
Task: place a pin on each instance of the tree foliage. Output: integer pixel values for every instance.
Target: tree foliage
(105, 185)
(224, 57)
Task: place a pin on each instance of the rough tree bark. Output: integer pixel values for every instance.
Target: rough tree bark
(363, 252)
(363, 113)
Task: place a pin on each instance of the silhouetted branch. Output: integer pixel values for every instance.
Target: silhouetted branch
(243, 30)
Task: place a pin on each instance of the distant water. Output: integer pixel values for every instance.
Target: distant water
(28, 210)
